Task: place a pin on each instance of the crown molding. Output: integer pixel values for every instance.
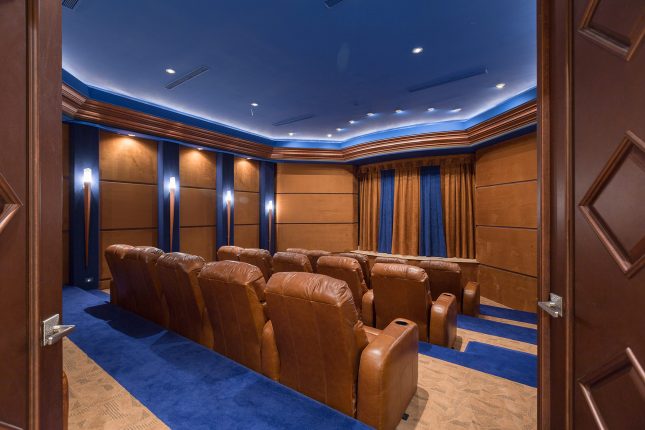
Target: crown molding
(80, 108)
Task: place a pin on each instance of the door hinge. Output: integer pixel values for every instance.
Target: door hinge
(53, 332)
(553, 307)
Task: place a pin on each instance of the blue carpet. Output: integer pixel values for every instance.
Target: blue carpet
(506, 363)
(509, 314)
(509, 331)
(184, 384)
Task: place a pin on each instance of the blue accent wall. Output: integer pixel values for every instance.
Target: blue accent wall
(225, 177)
(167, 167)
(386, 212)
(267, 193)
(84, 153)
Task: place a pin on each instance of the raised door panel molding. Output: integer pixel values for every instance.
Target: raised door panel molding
(507, 205)
(9, 203)
(316, 208)
(511, 161)
(513, 249)
(127, 159)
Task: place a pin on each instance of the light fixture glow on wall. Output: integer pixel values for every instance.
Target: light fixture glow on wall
(172, 186)
(270, 221)
(228, 198)
(87, 194)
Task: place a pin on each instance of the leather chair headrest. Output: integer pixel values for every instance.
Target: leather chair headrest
(317, 252)
(311, 287)
(186, 262)
(291, 259)
(444, 266)
(118, 249)
(235, 272)
(256, 252)
(358, 257)
(228, 252)
(390, 260)
(297, 250)
(336, 261)
(148, 253)
(399, 271)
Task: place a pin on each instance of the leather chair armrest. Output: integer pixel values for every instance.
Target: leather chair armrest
(388, 375)
(443, 320)
(470, 302)
(367, 309)
(371, 332)
(269, 353)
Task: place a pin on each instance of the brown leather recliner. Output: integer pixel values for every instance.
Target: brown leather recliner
(346, 269)
(403, 291)
(188, 315)
(260, 258)
(140, 264)
(120, 292)
(363, 261)
(234, 296)
(227, 252)
(312, 254)
(291, 262)
(445, 277)
(390, 260)
(326, 353)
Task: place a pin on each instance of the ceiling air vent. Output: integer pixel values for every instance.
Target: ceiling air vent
(293, 119)
(332, 3)
(448, 79)
(70, 4)
(187, 77)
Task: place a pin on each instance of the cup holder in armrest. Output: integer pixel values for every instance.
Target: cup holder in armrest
(399, 322)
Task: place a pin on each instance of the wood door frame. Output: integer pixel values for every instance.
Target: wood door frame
(556, 210)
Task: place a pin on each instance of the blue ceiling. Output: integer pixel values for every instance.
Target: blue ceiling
(298, 58)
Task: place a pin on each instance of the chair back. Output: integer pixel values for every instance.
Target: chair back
(291, 262)
(346, 269)
(260, 258)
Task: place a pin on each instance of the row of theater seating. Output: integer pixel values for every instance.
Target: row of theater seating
(301, 329)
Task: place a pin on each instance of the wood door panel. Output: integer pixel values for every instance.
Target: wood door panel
(197, 168)
(316, 208)
(315, 178)
(508, 205)
(507, 248)
(127, 159)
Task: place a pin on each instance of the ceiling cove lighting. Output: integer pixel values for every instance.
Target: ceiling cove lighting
(170, 71)
(500, 85)
(455, 110)
(254, 104)
(417, 50)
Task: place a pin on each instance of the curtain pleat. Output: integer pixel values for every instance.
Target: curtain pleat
(370, 193)
(458, 216)
(432, 240)
(405, 228)
(386, 212)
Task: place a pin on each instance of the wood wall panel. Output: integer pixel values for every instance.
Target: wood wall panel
(247, 236)
(316, 178)
(512, 161)
(329, 237)
(197, 207)
(316, 208)
(247, 209)
(246, 175)
(512, 289)
(127, 159)
(508, 205)
(511, 249)
(141, 237)
(127, 205)
(197, 168)
(199, 241)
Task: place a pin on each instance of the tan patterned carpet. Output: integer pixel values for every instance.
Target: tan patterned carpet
(449, 396)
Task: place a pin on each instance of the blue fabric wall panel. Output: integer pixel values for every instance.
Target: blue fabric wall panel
(267, 194)
(84, 153)
(386, 212)
(167, 167)
(432, 240)
(225, 178)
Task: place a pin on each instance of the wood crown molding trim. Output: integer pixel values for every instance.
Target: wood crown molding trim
(78, 107)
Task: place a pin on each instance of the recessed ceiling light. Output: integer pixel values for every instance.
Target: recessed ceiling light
(329, 135)
(417, 50)
(291, 134)
(254, 104)
(371, 114)
(200, 148)
(170, 71)
(339, 129)
(431, 109)
(500, 85)
(399, 111)
(351, 121)
(248, 158)
(455, 110)
(130, 134)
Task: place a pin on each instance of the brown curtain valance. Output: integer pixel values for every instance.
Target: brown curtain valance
(418, 162)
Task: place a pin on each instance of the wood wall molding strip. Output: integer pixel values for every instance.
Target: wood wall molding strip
(78, 107)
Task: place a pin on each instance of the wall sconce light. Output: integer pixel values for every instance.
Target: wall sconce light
(87, 193)
(228, 197)
(172, 186)
(270, 214)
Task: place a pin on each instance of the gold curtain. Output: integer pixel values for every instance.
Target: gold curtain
(405, 226)
(458, 210)
(370, 194)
